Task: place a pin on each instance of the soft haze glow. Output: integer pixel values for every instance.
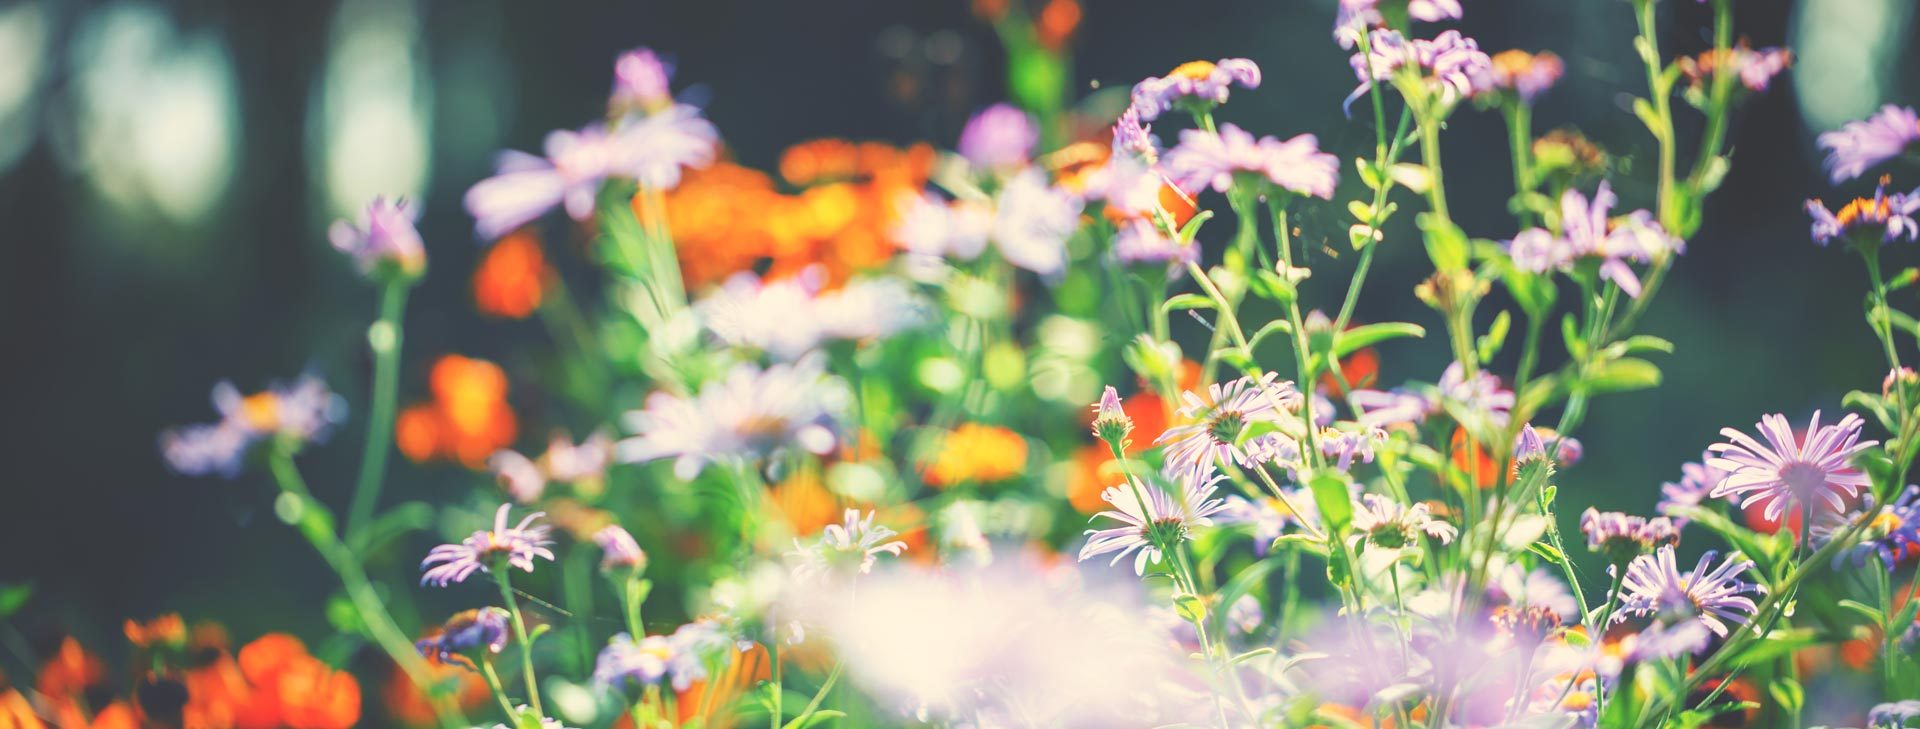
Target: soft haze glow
(23, 47)
(375, 108)
(1843, 56)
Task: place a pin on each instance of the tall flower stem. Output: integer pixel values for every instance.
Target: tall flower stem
(1430, 155)
(1520, 136)
(1721, 98)
(500, 578)
(498, 690)
(1303, 357)
(384, 338)
(316, 524)
(1661, 90)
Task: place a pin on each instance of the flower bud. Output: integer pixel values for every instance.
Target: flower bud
(622, 552)
(1110, 422)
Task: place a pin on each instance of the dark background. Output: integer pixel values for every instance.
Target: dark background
(117, 319)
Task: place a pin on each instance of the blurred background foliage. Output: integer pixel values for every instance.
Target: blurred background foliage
(167, 172)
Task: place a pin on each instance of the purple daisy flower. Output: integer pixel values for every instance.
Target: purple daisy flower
(1710, 596)
(1131, 138)
(641, 82)
(304, 411)
(1525, 75)
(1356, 16)
(1621, 537)
(1127, 185)
(525, 186)
(1032, 222)
(627, 664)
(1140, 241)
(1588, 233)
(1347, 445)
(1215, 423)
(1384, 522)
(1788, 468)
(932, 229)
(1893, 715)
(999, 137)
(751, 413)
(654, 149)
(1203, 83)
(206, 449)
(1696, 484)
(1387, 408)
(467, 632)
(1269, 517)
(1483, 394)
(385, 236)
(855, 541)
(619, 550)
(1451, 66)
(1893, 531)
(1204, 159)
(1164, 520)
(1889, 217)
(1860, 145)
(518, 546)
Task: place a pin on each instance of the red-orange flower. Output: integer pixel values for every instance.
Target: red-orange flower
(468, 418)
(166, 630)
(979, 454)
(511, 280)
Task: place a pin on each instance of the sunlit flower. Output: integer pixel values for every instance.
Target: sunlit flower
(1788, 468)
(999, 137)
(1754, 68)
(1110, 420)
(517, 546)
(977, 453)
(1388, 408)
(1709, 596)
(1032, 222)
(1356, 16)
(1526, 75)
(525, 186)
(384, 236)
(1141, 242)
(1893, 532)
(1216, 421)
(793, 315)
(301, 412)
(1449, 68)
(164, 631)
(641, 82)
(618, 550)
(467, 633)
(1165, 520)
(1347, 445)
(525, 479)
(1696, 485)
(1621, 537)
(1587, 233)
(1529, 589)
(1200, 83)
(1204, 159)
(512, 279)
(468, 419)
(654, 149)
(1860, 145)
(931, 229)
(855, 544)
(1269, 516)
(1133, 139)
(1482, 394)
(1893, 715)
(1391, 524)
(749, 413)
(1885, 217)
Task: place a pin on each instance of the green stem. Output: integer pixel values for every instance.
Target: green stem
(384, 337)
(1430, 156)
(499, 692)
(1520, 136)
(500, 569)
(826, 687)
(317, 526)
(1661, 92)
(1721, 100)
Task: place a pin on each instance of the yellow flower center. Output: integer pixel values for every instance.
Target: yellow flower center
(1193, 69)
(261, 411)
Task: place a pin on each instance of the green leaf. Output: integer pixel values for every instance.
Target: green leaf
(1649, 117)
(1277, 326)
(1369, 175)
(396, 522)
(1192, 228)
(1190, 607)
(1643, 343)
(1547, 552)
(1446, 243)
(1872, 614)
(1353, 340)
(1788, 694)
(1331, 494)
(1412, 176)
(1622, 375)
(13, 597)
(1270, 286)
(1570, 333)
(1361, 211)
(1496, 336)
(817, 716)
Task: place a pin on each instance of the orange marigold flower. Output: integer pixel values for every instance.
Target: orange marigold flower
(468, 418)
(166, 630)
(407, 704)
(1361, 369)
(1094, 469)
(70, 671)
(117, 715)
(975, 453)
(17, 713)
(512, 279)
(805, 502)
(1474, 460)
(1057, 22)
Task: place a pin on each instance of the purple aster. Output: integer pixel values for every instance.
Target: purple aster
(1528, 446)
(1859, 145)
(1214, 424)
(855, 544)
(1140, 241)
(1269, 516)
(518, 475)
(467, 632)
(1450, 67)
(1204, 159)
(1164, 520)
(518, 546)
(1893, 715)
(1883, 216)
(618, 550)
(1032, 222)
(301, 412)
(999, 137)
(525, 187)
(750, 413)
(1710, 596)
(1696, 484)
(1588, 233)
(641, 81)
(1537, 589)
(568, 462)
(1356, 16)
(1387, 408)
(931, 229)
(1525, 75)
(1893, 531)
(1621, 537)
(1347, 445)
(654, 149)
(626, 665)
(1391, 524)
(1127, 185)
(385, 236)
(1790, 469)
(1110, 421)
(1200, 83)
(207, 448)
(1481, 395)
(1131, 138)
